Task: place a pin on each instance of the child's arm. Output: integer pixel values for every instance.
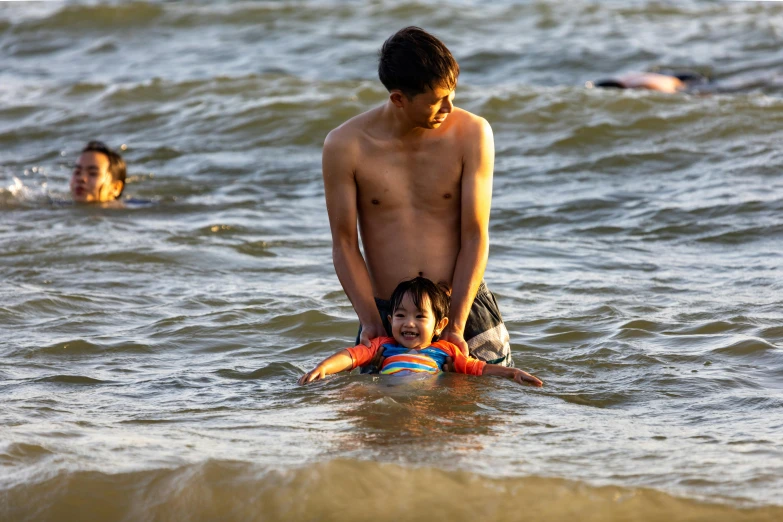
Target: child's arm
(512, 373)
(336, 363)
(460, 363)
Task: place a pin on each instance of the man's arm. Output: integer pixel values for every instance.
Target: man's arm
(477, 168)
(339, 167)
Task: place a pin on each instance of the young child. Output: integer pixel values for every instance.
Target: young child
(419, 309)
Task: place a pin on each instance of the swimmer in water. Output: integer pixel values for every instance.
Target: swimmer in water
(670, 83)
(420, 311)
(98, 175)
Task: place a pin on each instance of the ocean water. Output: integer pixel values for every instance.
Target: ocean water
(149, 354)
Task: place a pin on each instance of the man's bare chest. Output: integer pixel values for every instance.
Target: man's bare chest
(428, 175)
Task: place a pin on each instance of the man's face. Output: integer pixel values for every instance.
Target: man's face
(430, 108)
(91, 181)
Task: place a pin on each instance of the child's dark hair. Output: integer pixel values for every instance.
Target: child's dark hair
(117, 167)
(413, 60)
(419, 287)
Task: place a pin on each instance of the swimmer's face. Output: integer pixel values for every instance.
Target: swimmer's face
(430, 108)
(91, 181)
(412, 327)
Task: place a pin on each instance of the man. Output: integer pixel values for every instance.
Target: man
(415, 171)
(98, 176)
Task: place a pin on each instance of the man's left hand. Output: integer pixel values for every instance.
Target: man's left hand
(455, 339)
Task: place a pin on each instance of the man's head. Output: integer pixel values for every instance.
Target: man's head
(420, 74)
(98, 175)
(419, 312)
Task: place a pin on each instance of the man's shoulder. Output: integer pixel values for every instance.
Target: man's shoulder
(348, 134)
(469, 122)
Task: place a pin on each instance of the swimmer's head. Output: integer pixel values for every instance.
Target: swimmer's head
(413, 61)
(419, 310)
(98, 175)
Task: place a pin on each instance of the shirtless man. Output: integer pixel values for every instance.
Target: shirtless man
(416, 175)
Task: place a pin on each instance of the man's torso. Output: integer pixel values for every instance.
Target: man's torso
(408, 202)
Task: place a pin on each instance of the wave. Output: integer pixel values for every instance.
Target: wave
(753, 347)
(72, 379)
(97, 17)
(346, 490)
(83, 347)
(275, 369)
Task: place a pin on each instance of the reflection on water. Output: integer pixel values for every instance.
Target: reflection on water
(432, 416)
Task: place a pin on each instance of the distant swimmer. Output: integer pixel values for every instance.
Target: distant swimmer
(98, 175)
(652, 81)
(418, 312)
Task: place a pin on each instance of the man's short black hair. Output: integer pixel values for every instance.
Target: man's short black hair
(419, 287)
(412, 60)
(117, 167)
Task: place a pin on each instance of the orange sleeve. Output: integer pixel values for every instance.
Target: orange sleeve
(462, 363)
(361, 355)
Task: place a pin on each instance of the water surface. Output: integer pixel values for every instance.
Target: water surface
(149, 354)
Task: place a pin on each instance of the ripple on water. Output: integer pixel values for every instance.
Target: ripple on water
(72, 379)
(753, 347)
(275, 369)
(605, 399)
(711, 328)
(83, 347)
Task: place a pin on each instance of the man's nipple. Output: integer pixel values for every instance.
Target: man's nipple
(376, 202)
(447, 196)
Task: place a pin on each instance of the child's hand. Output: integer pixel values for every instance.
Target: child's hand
(317, 373)
(336, 363)
(524, 377)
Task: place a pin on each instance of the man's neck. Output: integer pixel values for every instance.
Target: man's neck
(398, 126)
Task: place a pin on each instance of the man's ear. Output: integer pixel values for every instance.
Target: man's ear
(397, 98)
(116, 188)
(441, 325)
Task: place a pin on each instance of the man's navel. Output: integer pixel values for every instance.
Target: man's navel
(376, 202)
(447, 195)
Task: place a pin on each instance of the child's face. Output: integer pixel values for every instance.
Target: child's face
(412, 327)
(91, 181)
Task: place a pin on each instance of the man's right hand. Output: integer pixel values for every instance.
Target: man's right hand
(371, 331)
